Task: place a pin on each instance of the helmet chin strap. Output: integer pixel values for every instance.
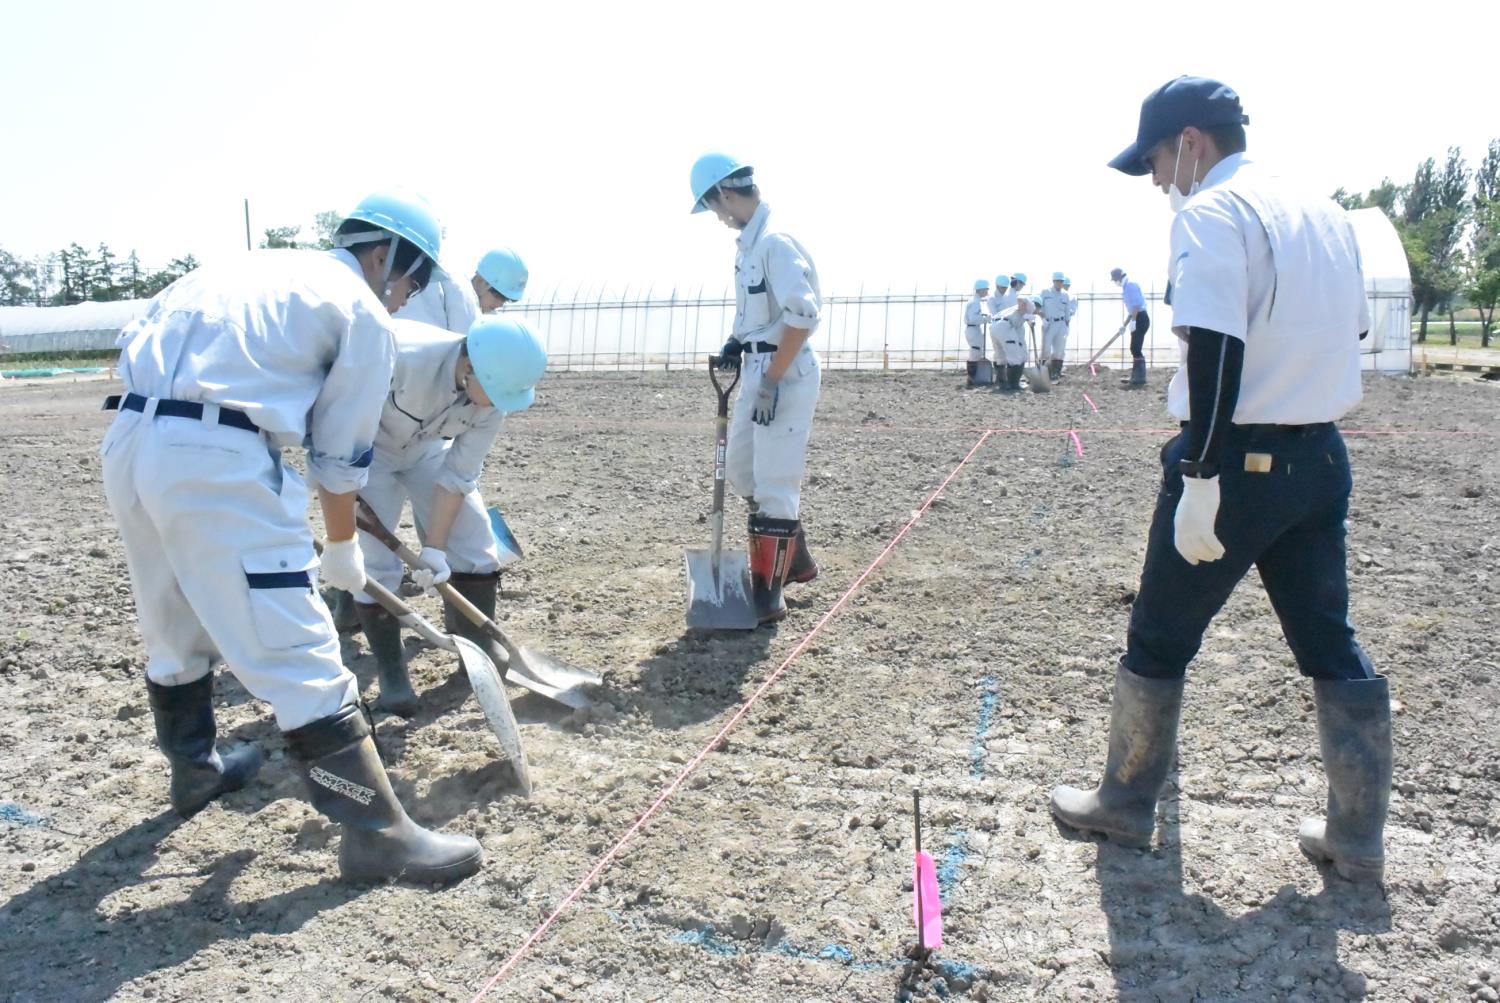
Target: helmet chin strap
(355, 239)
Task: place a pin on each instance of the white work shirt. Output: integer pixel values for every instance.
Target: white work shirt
(295, 339)
(1000, 302)
(775, 282)
(1257, 259)
(446, 302)
(1056, 304)
(425, 406)
(974, 320)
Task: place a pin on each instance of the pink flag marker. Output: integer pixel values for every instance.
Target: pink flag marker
(926, 903)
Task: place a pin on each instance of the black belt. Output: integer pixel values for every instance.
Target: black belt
(1291, 430)
(760, 347)
(180, 409)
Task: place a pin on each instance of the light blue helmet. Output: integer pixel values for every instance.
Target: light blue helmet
(1019, 277)
(504, 270)
(1036, 301)
(402, 213)
(981, 284)
(1002, 281)
(708, 171)
(1059, 277)
(508, 360)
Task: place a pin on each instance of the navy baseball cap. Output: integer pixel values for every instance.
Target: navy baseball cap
(1172, 107)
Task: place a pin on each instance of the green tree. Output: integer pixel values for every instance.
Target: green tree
(326, 223)
(282, 237)
(1482, 273)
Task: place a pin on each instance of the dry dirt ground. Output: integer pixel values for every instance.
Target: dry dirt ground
(975, 662)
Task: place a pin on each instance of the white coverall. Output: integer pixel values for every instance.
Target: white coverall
(1057, 311)
(1000, 304)
(775, 286)
(214, 525)
(975, 322)
(431, 436)
(446, 302)
(1013, 332)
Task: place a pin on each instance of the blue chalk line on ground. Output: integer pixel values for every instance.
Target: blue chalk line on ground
(16, 815)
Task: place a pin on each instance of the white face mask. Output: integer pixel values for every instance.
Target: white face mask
(1175, 198)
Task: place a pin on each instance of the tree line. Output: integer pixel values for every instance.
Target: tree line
(1449, 221)
(78, 275)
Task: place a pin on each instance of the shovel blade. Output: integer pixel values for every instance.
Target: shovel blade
(984, 373)
(566, 684)
(724, 604)
(505, 541)
(1037, 378)
(490, 692)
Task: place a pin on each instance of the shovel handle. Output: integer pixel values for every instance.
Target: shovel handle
(720, 389)
(370, 523)
(393, 605)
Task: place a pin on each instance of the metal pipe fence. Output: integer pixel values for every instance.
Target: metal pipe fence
(890, 330)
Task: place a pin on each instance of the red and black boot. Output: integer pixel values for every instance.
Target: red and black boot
(804, 569)
(772, 542)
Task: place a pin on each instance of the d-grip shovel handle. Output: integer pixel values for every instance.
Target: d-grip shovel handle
(723, 391)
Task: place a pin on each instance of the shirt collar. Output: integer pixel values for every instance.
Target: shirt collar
(1225, 169)
(753, 229)
(448, 372)
(348, 258)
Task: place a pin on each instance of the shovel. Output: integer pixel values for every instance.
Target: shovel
(483, 677)
(1037, 377)
(535, 671)
(719, 582)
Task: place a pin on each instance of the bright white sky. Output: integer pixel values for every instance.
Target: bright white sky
(904, 143)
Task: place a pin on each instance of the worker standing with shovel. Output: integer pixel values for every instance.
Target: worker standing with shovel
(777, 305)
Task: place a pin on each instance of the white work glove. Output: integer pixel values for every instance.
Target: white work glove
(763, 411)
(343, 565)
(436, 571)
(1193, 524)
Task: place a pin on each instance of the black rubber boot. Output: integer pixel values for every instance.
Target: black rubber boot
(383, 634)
(1137, 372)
(771, 545)
(804, 569)
(1054, 369)
(347, 782)
(185, 732)
(1013, 377)
(1142, 742)
(481, 591)
(342, 607)
(972, 369)
(1354, 731)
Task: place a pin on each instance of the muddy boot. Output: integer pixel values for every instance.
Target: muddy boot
(1137, 373)
(341, 606)
(481, 591)
(972, 368)
(383, 634)
(771, 545)
(346, 782)
(1354, 731)
(185, 733)
(1142, 742)
(804, 569)
(1054, 369)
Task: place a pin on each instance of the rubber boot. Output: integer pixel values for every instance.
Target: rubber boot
(1354, 731)
(341, 606)
(481, 591)
(347, 782)
(1142, 742)
(804, 569)
(1137, 372)
(1013, 376)
(383, 634)
(771, 545)
(185, 733)
(972, 368)
(1054, 369)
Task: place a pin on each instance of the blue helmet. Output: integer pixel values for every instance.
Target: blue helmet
(504, 270)
(981, 284)
(1059, 277)
(1019, 277)
(508, 360)
(406, 215)
(1002, 281)
(708, 171)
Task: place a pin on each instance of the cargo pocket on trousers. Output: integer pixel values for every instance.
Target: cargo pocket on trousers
(286, 611)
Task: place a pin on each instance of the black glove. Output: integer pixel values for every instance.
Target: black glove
(729, 355)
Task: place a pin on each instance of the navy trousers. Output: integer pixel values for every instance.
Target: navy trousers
(1288, 523)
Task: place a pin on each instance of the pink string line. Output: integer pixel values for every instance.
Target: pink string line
(1077, 442)
(605, 860)
(1091, 403)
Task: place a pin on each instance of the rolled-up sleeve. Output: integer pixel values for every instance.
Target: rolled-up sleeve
(346, 413)
(793, 284)
(1210, 271)
(465, 460)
